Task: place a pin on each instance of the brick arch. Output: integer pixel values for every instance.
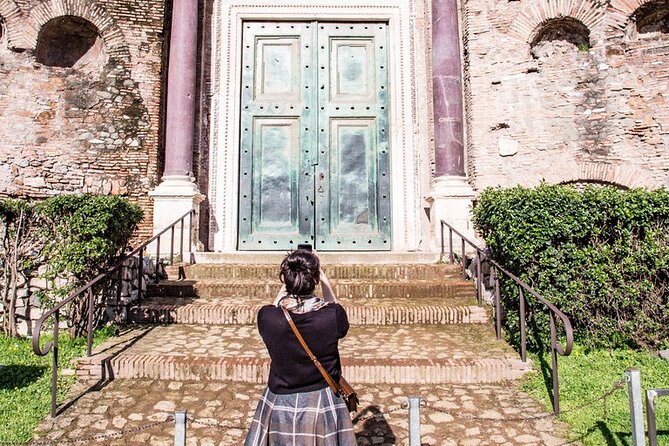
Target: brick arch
(536, 13)
(624, 175)
(619, 13)
(93, 12)
(14, 24)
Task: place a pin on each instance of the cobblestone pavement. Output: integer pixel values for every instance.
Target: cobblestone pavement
(366, 342)
(467, 415)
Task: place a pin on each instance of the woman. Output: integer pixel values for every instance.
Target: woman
(298, 407)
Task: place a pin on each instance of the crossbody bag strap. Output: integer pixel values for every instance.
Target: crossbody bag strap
(317, 363)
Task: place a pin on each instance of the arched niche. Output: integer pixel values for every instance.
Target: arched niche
(563, 32)
(70, 41)
(652, 17)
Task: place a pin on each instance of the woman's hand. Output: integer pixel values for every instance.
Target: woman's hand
(326, 288)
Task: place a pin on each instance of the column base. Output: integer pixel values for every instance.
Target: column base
(451, 200)
(175, 196)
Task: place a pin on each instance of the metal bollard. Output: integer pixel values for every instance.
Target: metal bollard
(651, 394)
(414, 421)
(180, 428)
(636, 407)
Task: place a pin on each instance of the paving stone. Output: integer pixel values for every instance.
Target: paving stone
(380, 417)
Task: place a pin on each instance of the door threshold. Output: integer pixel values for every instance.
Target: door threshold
(338, 258)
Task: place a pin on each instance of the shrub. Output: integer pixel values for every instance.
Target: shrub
(85, 231)
(74, 236)
(601, 255)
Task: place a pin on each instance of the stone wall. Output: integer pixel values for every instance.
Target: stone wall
(566, 91)
(35, 293)
(80, 112)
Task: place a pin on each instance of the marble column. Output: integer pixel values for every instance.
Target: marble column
(178, 193)
(451, 195)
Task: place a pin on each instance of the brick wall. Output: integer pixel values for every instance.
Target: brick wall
(91, 128)
(564, 113)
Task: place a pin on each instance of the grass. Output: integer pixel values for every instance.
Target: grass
(585, 375)
(25, 382)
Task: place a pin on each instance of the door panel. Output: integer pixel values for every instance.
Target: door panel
(353, 176)
(277, 132)
(353, 212)
(352, 70)
(276, 156)
(275, 73)
(314, 156)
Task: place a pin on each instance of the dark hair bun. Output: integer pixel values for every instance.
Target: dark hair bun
(300, 271)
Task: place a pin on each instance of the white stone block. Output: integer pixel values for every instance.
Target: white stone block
(507, 146)
(34, 182)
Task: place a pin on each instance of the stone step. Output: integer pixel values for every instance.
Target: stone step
(399, 354)
(363, 272)
(268, 289)
(327, 258)
(376, 311)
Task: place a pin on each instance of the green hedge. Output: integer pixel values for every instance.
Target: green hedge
(601, 255)
(76, 236)
(86, 230)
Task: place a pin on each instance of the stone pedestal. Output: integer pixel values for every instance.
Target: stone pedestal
(176, 195)
(451, 200)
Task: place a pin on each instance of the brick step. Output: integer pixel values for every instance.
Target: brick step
(334, 272)
(400, 354)
(377, 311)
(376, 371)
(342, 288)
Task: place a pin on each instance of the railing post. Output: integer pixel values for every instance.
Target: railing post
(181, 239)
(463, 258)
(140, 270)
(91, 310)
(172, 245)
(450, 245)
(498, 315)
(636, 409)
(479, 278)
(414, 421)
(157, 250)
(554, 359)
(119, 284)
(54, 368)
(523, 339)
(441, 227)
(180, 428)
(190, 235)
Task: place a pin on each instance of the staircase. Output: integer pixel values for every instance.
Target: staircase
(411, 323)
(415, 330)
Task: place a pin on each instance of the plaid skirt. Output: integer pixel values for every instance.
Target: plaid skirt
(318, 418)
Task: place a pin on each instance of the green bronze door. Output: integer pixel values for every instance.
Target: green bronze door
(314, 151)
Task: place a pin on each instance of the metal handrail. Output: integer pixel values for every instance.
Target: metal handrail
(88, 289)
(556, 347)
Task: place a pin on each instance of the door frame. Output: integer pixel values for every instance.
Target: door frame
(406, 161)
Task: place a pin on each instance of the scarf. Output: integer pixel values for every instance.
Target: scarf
(302, 304)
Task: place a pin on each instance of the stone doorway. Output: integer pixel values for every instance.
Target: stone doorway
(314, 145)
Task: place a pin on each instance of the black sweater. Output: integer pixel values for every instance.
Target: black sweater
(291, 370)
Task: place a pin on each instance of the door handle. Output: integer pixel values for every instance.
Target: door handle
(321, 180)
